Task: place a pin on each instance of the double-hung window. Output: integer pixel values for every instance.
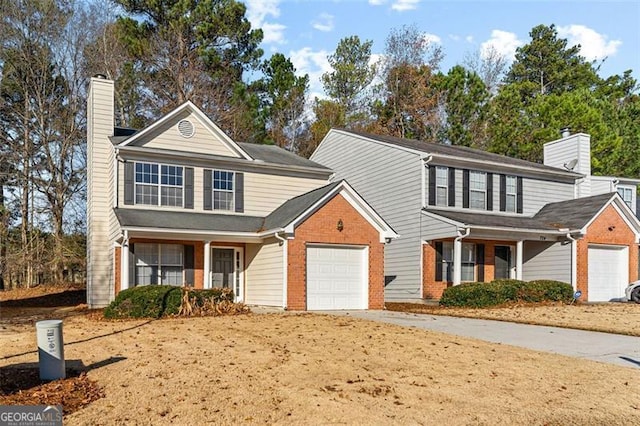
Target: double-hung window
(442, 185)
(468, 262)
(159, 184)
(478, 190)
(511, 193)
(627, 195)
(223, 190)
(159, 264)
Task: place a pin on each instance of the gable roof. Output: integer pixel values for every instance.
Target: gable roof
(561, 217)
(275, 155)
(459, 153)
(172, 116)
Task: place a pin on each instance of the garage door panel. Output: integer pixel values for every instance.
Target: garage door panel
(608, 272)
(336, 278)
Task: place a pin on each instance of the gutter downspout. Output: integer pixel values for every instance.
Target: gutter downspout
(116, 177)
(457, 255)
(574, 261)
(285, 270)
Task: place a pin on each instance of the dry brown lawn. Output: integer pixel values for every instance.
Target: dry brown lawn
(619, 318)
(316, 369)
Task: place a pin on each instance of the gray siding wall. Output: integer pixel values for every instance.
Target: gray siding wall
(546, 260)
(264, 273)
(100, 177)
(433, 229)
(537, 193)
(390, 180)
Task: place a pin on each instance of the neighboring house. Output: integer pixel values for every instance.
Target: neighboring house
(179, 202)
(469, 215)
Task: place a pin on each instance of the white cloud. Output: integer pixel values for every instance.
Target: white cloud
(454, 37)
(314, 63)
(404, 5)
(324, 22)
(593, 45)
(257, 13)
(377, 2)
(503, 42)
(469, 39)
(432, 38)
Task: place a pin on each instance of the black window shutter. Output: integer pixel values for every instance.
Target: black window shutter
(239, 201)
(452, 187)
(189, 274)
(465, 188)
(480, 261)
(188, 187)
(519, 195)
(207, 194)
(503, 193)
(129, 182)
(438, 260)
(432, 186)
(489, 191)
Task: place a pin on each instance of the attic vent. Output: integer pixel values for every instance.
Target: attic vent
(186, 128)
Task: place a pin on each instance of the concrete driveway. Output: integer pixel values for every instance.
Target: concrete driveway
(604, 347)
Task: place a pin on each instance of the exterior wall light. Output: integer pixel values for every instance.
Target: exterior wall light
(340, 225)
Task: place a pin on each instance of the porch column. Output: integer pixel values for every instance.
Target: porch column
(207, 264)
(519, 250)
(457, 261)
(124, 265)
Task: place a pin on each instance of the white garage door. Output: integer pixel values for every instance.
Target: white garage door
(608, 272)
(337, 278)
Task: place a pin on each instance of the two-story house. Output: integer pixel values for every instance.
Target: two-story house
(179, 202)
(468, 215)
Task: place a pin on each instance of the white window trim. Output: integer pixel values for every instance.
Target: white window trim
(514, 194)
(624, 191)
(483, 192)
(228, 191)
(445, 186)
(158, 185)
(448, 257)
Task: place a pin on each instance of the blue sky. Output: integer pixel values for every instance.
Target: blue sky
(309, 31)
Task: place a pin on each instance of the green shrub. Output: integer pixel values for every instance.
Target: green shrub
(155, 301)
(556, 291)
(478, 295)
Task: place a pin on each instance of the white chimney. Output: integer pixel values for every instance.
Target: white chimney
(572, 152)
(100, 175)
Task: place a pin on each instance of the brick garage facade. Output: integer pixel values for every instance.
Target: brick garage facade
(321, 228)
(609, 228)
(432, 289)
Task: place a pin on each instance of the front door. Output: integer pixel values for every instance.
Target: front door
(226, 270)
(503, 262)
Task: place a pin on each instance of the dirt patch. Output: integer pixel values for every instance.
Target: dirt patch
(22, 386)
(619, 318)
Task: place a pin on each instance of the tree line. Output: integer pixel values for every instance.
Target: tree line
(161, 53)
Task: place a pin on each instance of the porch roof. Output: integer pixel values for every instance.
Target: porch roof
(171, 220)
(564, 216)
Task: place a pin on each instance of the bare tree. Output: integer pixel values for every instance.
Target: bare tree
(490, 65)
